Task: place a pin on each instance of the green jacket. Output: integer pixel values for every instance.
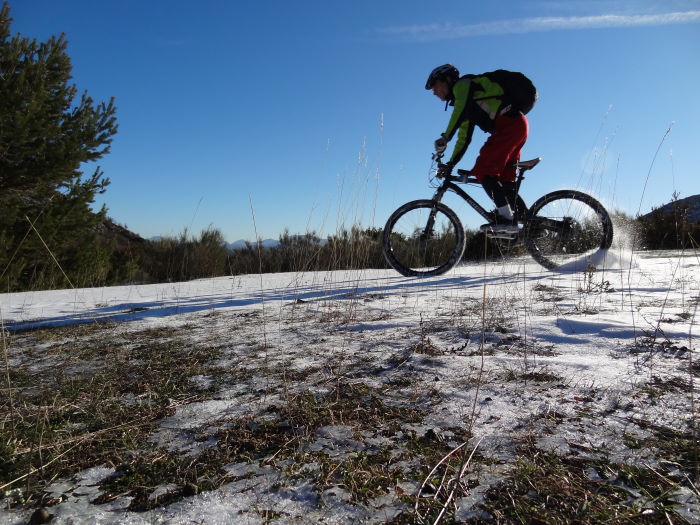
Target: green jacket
(476, 101)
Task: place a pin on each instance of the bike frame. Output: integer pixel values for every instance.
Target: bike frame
(448, 184)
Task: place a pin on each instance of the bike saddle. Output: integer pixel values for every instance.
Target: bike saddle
(528, 164)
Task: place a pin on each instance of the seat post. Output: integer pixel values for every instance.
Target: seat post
(518, 180)
(520, 206)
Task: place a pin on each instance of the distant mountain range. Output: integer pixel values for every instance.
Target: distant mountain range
(241, 244)
(236, 245)
(267, 243)
(692, 203)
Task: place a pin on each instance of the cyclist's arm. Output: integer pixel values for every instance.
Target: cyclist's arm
(464, 138)
(459, 122)
(460, 93)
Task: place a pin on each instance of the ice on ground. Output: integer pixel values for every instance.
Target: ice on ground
(491, 353)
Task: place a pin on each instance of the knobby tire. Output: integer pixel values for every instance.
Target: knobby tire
(588, 228)
(411, 255)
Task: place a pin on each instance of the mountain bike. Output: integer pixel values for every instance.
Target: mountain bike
(425, 237)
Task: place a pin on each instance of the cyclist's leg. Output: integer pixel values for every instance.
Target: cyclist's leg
(516, 203)
(518, 131)
(502, 148)
(495, 190)
(502, 217)
(494, 166)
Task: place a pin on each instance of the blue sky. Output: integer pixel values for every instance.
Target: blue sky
(260, 116)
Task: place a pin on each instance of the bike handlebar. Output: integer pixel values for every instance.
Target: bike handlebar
(463, 175)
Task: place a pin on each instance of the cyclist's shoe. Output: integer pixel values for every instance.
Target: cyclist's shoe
(500, 224)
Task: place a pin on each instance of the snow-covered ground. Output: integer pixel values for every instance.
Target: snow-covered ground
(491, 354)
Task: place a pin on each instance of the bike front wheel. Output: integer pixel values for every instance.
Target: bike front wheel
(567, 227)
(423, 238)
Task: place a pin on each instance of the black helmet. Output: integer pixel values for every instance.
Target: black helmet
(447, 72)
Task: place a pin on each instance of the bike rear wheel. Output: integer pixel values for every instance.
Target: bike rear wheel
(423, 238)
(567, 227)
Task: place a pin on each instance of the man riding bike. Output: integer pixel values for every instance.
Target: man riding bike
(478, 100)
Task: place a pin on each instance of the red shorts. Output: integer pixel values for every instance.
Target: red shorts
(502, 148)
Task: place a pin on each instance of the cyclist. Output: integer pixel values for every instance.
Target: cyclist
(477, 101)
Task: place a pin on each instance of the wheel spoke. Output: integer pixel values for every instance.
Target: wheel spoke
(565, 226)
(423, 238)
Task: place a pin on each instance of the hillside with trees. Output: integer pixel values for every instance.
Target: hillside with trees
(672, 226)
(47, 227)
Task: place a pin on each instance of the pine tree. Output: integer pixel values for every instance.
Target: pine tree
(46, 136)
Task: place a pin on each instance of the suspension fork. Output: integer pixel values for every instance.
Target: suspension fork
(437, 197)
(439, 194)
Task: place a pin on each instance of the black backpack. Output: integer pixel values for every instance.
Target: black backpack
(519, 91)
